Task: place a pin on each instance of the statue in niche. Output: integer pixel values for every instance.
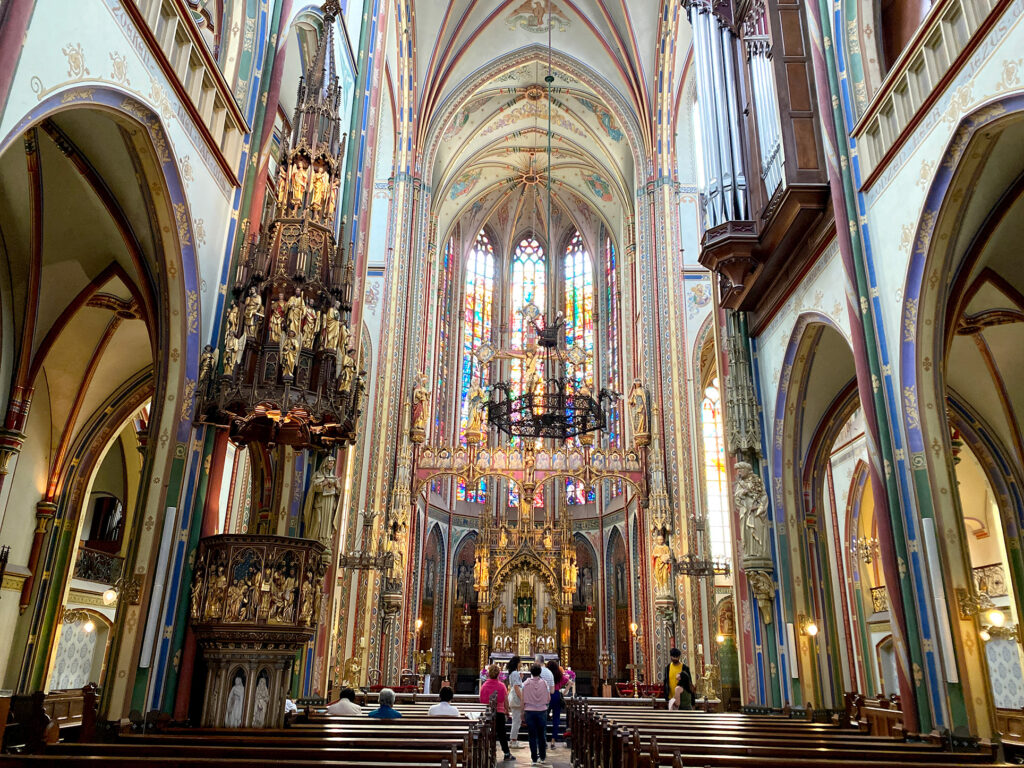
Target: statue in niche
(233, 710)
(661, 565)
(282, 186)
(481, 572)
(322, 504)
(252, 312)
(277, 310)
(333, 198)
(420, 409)
(207, 367)
(547, 539)
(752, 504)
(524, 609)
(639, 413)
(261, 702)
(233, 321)
(545, 617)
(299, 180)
(503, 536)
(310, 326)
(474, 412)
(504, 615)
(464, 580)
(320, 188)
(290, 346)
(218, 593)
(344, 338)
(331, 328)
(295, 311)
(348, 371)
(306, 598)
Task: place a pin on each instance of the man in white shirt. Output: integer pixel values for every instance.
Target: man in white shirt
(444, 707)
(545, 673)
(346, 705)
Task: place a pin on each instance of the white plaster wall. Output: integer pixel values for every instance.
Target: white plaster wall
(896, 200)
(104, 31)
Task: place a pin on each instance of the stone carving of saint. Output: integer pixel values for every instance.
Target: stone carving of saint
(310, 325)
(299, 181)
(481, 572)
(320, 189)
(752, 503)
(548, 539)
(503, 536)
(196, 593)
(234, 346)
(252, 312)
(344, 338)
(420, 409)
(233, 710)
(277, 310)
(348, 371)
(295, 311)
(322, 504)
(331, 322)
(475, 410)
(218, 592)
(639, 413)
(260, 703)
(306, 599)
(207, 367)
(282, 186)
(234, 320)
(333, 201)
(661, 565)
(290, 345)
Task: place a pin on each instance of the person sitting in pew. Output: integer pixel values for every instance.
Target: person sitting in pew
(386, 709)
(444, 708)
(346, 705)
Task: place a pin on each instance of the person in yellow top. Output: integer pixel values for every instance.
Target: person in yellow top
(678, 683)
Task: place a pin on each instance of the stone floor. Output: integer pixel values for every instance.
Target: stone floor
(558, 757)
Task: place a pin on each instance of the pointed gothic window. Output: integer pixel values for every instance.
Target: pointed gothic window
(714, 472)
(527, 287)
(477, 312)
(611, 328)
(579, 332)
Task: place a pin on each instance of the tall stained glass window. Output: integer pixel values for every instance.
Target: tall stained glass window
(477, 312)
(579, 332)
(527, 287)
(714, 472)
(611, 328)
(444, 322)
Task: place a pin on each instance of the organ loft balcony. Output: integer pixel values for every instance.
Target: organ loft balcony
(767, 200)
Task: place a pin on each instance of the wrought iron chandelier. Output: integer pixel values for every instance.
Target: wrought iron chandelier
(291, 368)
(551, 405)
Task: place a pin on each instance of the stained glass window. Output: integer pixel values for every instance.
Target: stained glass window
(477, 309)
(513, 495)
(579, 332)
(527, 287)
(611, 327)
(714, 472)
(444, 322)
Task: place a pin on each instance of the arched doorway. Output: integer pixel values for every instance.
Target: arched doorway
(961, 380)
(98, 249)
(617, 589)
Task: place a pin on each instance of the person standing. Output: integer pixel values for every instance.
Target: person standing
(515, 699)
(560, 681)
(678, 683)
(494, 686)
(536, 697)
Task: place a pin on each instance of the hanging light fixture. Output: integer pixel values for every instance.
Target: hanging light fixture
(552, 405)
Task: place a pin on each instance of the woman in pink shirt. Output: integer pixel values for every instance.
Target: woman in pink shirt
(494, 686)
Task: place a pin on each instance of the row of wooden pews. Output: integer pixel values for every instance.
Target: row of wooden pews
(414, 741)
(613, 736)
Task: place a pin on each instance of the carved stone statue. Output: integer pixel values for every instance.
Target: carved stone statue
(277, 310)
(295, 312)
(261, 702)
(639, 413)
(320, 189)
(322, 504)
(252, 312)
(752, 504)
(333, 199)
(233, 710)
(661, 566)
(234, 346)
(290, 346)
(344, 338)
(234, 320)
(282, 186)
(299, 181)
(310, 326)
(331, 321)
(207, 367)
(348, 371)
(420, 409)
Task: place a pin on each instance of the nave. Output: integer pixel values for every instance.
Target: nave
(600, 733)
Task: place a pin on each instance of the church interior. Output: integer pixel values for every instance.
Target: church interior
(384, 349)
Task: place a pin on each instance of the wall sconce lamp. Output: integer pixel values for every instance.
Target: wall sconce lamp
(808, 627)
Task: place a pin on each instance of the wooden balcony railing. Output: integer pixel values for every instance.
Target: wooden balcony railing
(181, 53)
(946, 39)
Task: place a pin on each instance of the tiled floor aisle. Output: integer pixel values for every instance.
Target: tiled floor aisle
(558, 757)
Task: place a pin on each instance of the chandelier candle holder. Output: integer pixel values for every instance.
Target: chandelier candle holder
(865, 548)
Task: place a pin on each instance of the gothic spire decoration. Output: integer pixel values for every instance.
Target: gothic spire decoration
(291, 366)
